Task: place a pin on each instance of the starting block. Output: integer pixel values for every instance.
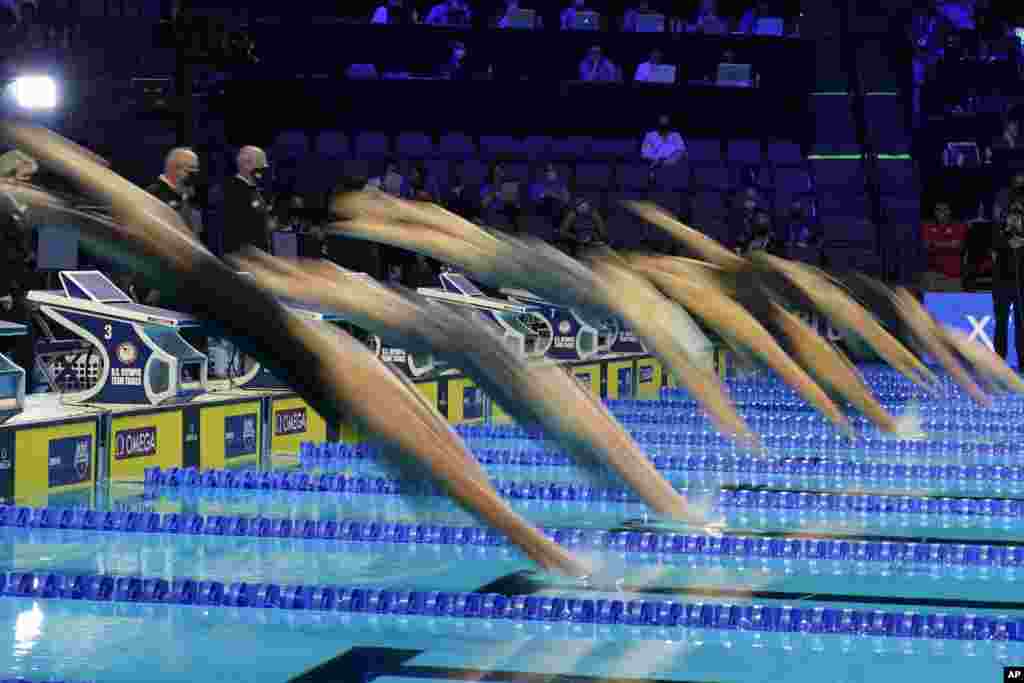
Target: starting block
(519, 326)
(575, 338)
(143, 359)
(12, 377)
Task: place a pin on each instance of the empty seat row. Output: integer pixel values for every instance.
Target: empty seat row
(415, 145)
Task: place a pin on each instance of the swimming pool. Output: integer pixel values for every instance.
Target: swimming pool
(842, 561)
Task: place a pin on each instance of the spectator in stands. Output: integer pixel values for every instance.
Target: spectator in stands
(644, 69)
(246, 210)
(761, 236)
(741, 217)
(499, 200)
(597, 68)
(422, 186)
(708, 20)
(1007, 243)
(1010, 138)
(511, 7)
(550, 196)
(176, 186)
(944, 240)
(799, 233)
(629, 19)
(17, 261)
(458, 199)
(455, 69)
(663, 146)
(582, 227)
(1003, 197)
(568, 16)
(390, 180)
(450, 13)
(751, 22)
(395, 12)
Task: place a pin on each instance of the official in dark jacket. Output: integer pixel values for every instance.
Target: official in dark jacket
(246, 211)
(17, 262)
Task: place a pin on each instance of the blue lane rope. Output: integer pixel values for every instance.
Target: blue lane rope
(312, 456)
(531, 608)
(741, 498)
(642, 542)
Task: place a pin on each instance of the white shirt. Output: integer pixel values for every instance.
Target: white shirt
(658, 148)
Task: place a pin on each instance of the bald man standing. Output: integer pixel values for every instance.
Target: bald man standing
(246, 217)
(176, 186)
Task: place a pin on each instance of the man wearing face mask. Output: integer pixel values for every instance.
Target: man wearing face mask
(663, 146)
(176, 186)
(1007, 246)
(246, 210)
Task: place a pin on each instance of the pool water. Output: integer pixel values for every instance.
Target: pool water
(841, 560)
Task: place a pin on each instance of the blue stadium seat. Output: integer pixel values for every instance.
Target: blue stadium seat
(593, 175)
(414, 146)
(457, 146)
(833, 119)
(473, 172)
(614, 149)
(711, 176)
(537, 147)
(704, 151)
(674, 178)
(502, 146)
(438, 169)
(519, 171)
(571, 148)
(372, 146)
(635, 177)
(332, 144)
(708, 209)
(784, 153)
(839, 173)
(898, 178)
(356, 168)
(744, 151)
(290, 144)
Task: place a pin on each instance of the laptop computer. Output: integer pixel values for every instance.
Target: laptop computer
(521, 18)
(663, 73)
(587, 21)
(734, 75)
(650, 23)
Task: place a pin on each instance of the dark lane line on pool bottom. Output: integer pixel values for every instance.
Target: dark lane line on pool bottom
(370, 664)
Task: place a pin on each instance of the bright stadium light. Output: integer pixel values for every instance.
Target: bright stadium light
(35, 92)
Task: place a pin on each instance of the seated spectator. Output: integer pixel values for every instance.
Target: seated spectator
(741, 218)
(761, 20)
(629, 19)
(800, 236)
(422, 186)
(499, 200)
(1003, 197)
(450, 13)
(663, 146)
(511, 7)
(582, 227)
(458, 199)
(761, 236)
(455, 68)
(644, 69)
(944, 241)
(568, 16)
(597, 68)
(390, 180)
(1010, 137)
(708, 20)
(550, 194)
(395, 12)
